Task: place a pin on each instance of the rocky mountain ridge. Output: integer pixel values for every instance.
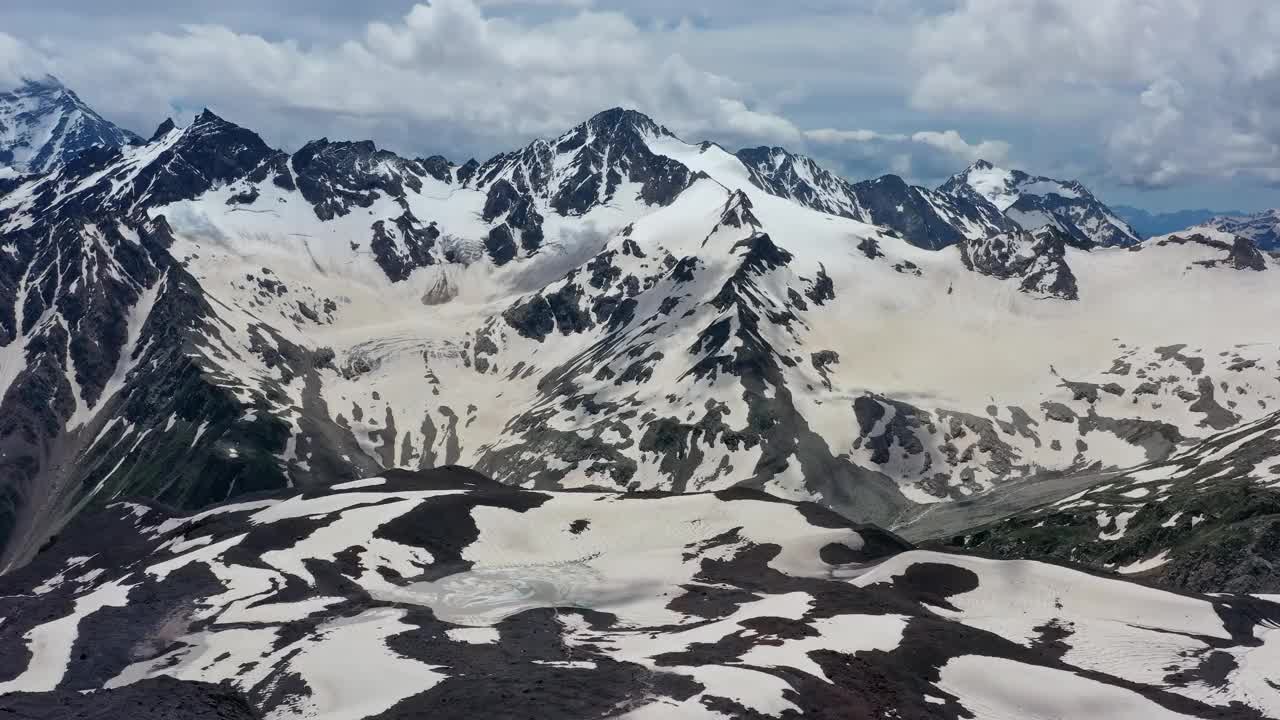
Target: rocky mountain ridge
(614, 308)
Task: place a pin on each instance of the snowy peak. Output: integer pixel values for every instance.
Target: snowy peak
(926, 218)
(43, 124)
(995, 185)
(1262, 228)
(1034, 201)
(588, 166)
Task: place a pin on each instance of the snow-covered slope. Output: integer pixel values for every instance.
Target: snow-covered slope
(447, 595)
(43, 125)
(1032, 202)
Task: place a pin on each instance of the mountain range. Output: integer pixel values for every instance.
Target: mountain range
(1149, 224)
(237, 361)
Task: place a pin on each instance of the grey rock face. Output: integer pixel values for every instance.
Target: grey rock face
(1037, 261)
(923, 217)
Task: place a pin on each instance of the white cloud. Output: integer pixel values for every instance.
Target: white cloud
(950, 141)
(1176, 90)
(899, 148)
(447, 63)
(17, 61)
(831, 135)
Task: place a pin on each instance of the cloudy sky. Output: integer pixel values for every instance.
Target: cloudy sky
(1163, 104)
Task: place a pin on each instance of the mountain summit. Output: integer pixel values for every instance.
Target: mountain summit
(923, 217)
(1035, 201)
(44, 124)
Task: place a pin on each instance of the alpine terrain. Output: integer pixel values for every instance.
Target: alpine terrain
(1262, 228)
(618, 424)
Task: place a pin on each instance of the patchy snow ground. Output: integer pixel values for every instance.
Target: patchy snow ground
(445, 590)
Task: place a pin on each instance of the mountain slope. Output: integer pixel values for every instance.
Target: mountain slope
(924, 218)
(43, 125)
(1207, 519)
(1033, 202)
(416, 594)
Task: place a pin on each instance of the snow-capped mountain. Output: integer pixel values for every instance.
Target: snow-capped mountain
(202, 316)
(44, 124)
(923, 217)
(235, 384)
(445, 594)
(1263, 228)
(1033, 202)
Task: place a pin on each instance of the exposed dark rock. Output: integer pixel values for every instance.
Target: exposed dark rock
(500, 244)
(159, 698)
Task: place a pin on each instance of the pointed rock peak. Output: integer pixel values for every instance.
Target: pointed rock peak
(891, 182)
(208, 122)
(209, 127)
(208, 116)
(165, 128)
(620, 116)
(619, 121)
(737, 211)
(761, 253)
(981, 171)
